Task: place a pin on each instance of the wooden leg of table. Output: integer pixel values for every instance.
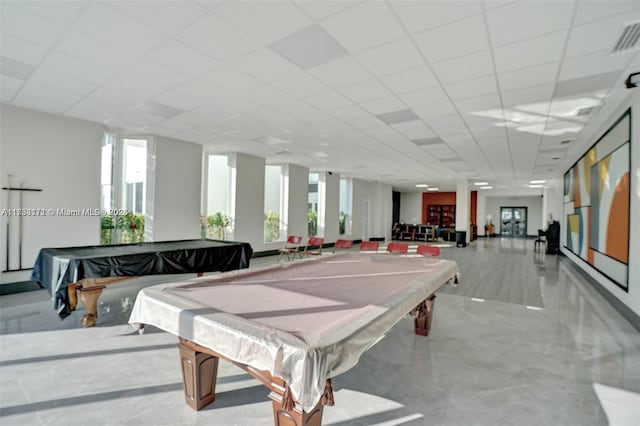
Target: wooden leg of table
(424, 314)
(294, 416)
(72, 292)
(89, 298)
(199, 374)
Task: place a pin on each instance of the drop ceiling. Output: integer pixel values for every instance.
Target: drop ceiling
(401, 92)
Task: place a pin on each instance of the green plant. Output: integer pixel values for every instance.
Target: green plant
(312, 216)
(216, 225)
(342, 221)
(271, 227)
(129, 227)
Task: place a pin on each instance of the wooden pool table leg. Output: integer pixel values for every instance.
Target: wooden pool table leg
(199, 375)
(285, 416)
(72, 292)
(89, 298)
(424, 315)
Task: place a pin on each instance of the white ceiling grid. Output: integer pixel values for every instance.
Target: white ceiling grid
(402, 92)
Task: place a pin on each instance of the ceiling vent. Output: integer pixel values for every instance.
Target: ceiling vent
(585, 112)
(566, 141)
(628, 38)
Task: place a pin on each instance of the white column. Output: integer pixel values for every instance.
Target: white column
(463, 206)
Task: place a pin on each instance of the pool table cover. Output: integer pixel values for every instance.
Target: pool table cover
(305, 321)
(55, 268)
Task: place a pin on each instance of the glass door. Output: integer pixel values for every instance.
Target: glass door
(513, 221)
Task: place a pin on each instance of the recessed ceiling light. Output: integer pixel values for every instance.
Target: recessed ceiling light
(537, 181)
(481, 183)
(309, 48)
(421, 185)
(433, 189)
(398, 116)
(536, 186)
(486, 187)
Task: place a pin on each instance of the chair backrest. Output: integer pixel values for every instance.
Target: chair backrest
(315, 242)
(294, 239)
(428, 250)
(542, 233)
(398, 248)
(343, 244)
(369, 246)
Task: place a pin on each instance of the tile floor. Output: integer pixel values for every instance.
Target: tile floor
(523, 340)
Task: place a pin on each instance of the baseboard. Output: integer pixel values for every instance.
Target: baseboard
(18, 287)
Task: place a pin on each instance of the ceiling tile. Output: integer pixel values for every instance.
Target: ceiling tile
(216, 38)
(350, 112)
(391, 57)
(431, 96)
(479, 104)
(299, 85)
(529, 77)
(460, 69)
(365, 91)
(376, 25)
(180, 57)
(363, 123)
(11, 47)
(145, 73)
(327, 100)
(435, 110)
(536, 51)
(418, 16)
(264, 21)
(36, 90)
(340, 73)
(309, 48)
(178, 100)
(472, 88)
(515, 98)
(414, 79)
(383, 105)
(96, 52)
(229, 78)
(593, 10)
(524, 20)
(318, 9)
(64, 82)
(586, 85)
(54, 105)
(414, 129)
(594, 63)
(37, 30)
(130, 35)
(266, 65)
(167, 17)
(598, 35)
(453, 40)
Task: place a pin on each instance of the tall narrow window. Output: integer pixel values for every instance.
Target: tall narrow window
(274, 204)
(346, 203)
(313, 202)
(217, 222)
(106, 175)
(135, 175)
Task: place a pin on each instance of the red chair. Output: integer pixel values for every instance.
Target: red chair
(291, 247)
(313, 247)
(428, 250)
(398, 248)
(343, 244)
(369, 246)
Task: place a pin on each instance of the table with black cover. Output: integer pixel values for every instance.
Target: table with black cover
(88, 269)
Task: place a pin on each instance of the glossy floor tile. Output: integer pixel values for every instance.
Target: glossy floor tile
(523, 340)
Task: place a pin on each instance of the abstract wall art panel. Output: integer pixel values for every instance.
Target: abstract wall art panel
(596, 203)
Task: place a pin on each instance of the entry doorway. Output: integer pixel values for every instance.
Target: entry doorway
(513, 221)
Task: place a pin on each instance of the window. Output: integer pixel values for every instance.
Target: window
(123, 188)
(217, 221)
(346, 203)
(312, 214)
(275, 196)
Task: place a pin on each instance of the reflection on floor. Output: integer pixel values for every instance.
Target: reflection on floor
(522, 340)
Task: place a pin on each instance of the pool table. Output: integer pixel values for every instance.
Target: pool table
(294, 327)
(83, 272)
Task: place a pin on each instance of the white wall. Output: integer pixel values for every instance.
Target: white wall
(631, 298)
(62, 157)
(249, 201)
(298, 195)
(411, 207)
(380, 201)
(332, 204)
(176, 189)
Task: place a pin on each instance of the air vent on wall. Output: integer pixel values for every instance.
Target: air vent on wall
(628, 39)
(584, 112)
